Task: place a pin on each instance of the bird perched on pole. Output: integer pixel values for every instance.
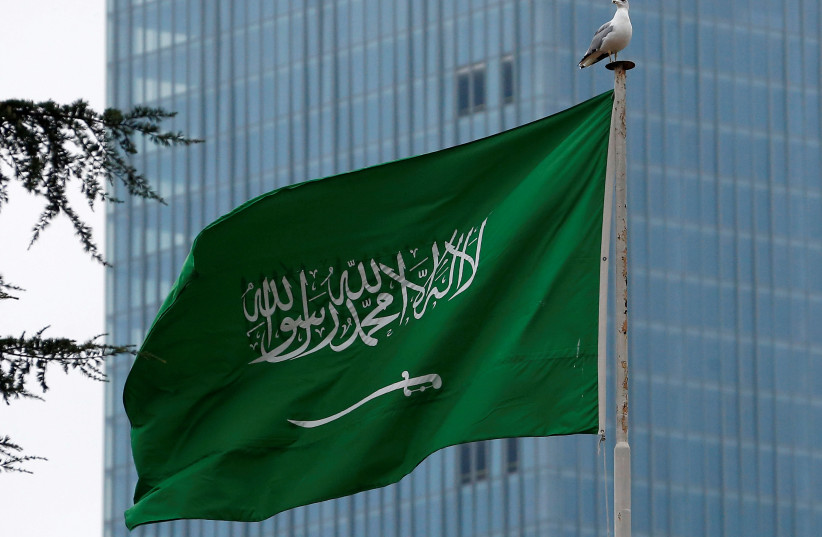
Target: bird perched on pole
(611, 37)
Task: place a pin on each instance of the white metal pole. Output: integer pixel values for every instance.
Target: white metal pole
(622, 450)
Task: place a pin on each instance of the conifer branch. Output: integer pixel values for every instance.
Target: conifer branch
(48, 146)
(11, 456)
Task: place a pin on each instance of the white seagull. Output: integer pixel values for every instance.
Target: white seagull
(611, 37)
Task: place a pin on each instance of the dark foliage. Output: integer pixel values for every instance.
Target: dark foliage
(50, 148)
(5, 288)
(25, 359)
(11, 456)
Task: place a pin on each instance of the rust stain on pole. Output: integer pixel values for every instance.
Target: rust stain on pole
(619, 127)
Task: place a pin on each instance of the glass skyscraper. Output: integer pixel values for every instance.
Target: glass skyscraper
(725, 208)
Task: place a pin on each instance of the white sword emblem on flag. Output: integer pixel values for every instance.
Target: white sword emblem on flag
(406, 385)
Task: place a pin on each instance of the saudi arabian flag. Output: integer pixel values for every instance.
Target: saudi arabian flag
(325, 338)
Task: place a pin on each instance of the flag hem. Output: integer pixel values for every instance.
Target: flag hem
(605, 247)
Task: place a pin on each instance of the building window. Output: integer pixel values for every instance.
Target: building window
(471, 89)
(507, 82)
(511, 455)
(473, 462)
(463, 93)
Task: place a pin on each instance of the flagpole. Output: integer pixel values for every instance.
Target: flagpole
(622, 450)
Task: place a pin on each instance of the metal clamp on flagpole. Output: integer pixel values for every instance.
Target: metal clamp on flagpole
(622, 450)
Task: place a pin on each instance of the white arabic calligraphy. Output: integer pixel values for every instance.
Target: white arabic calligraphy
(328, 308)
(406, 385)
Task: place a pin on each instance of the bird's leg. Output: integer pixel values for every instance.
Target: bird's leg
(615, 56)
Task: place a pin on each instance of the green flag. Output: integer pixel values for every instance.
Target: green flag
(323, 339)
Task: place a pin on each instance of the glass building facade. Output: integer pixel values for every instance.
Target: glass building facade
(725, 205)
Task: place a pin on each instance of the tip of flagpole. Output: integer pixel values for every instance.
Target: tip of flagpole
(626, 64)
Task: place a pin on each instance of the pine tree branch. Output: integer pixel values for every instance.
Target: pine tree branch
(47, 147)
(23, 359)
(11, 456)
(5, 287)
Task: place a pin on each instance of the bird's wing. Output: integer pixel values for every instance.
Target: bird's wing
(604, 26)
(599, 36)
